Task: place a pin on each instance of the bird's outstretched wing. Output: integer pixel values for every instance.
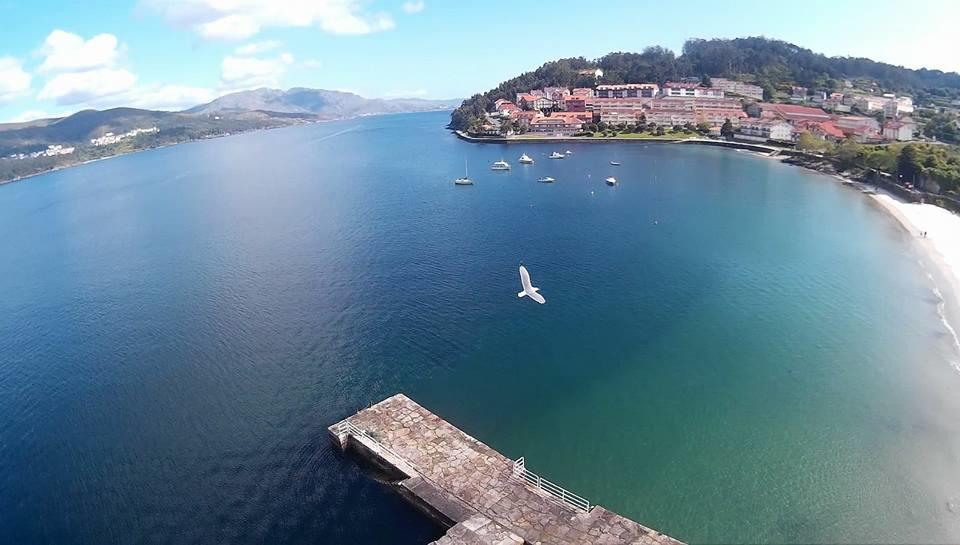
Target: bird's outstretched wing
(538, 298)
(525, 279)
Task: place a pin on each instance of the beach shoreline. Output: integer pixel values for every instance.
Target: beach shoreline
(936, 232)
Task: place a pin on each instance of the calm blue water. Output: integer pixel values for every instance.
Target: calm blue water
(732, 350)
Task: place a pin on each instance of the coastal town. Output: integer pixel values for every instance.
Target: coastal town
(110, 138)
(710, 106)
(107, 139)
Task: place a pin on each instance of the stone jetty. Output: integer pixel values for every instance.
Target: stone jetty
(481, 496)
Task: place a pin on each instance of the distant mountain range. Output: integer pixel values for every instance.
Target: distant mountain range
(236, 112)
(322, 103)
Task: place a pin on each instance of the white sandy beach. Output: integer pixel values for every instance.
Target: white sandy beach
(942, 242)
(941, 225)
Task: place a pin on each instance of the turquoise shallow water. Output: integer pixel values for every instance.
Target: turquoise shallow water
(732, 350)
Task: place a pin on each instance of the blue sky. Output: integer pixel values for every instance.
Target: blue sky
(60, 57)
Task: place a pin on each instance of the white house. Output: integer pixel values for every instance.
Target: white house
(899, 130)
(895, 107)
(766, 129)
(869, 103)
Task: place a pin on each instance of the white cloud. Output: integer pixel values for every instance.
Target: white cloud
(312, 63)
(80, 71)
(66, 52)
(14, 81)
(85, 73)
(170, 97)
(239, 73)
(414, 6)
(256, 48)
(231, 27)
(87, 87)
(241, 19)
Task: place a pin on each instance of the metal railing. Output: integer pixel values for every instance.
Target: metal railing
(346, 427)
(520, 471)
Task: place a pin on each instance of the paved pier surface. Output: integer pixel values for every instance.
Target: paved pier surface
(473, 488)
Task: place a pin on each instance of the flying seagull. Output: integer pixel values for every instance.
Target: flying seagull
(528, 288)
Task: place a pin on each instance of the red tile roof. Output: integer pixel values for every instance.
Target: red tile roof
(825, 127)
(792, 111)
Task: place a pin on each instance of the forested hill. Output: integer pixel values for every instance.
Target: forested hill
(772, 64)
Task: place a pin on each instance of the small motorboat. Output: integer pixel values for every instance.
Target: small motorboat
(615, 163)
(611, 180)
(500, 165)
(526, 159)
(569, 152)
(557, 155)
(546, 180)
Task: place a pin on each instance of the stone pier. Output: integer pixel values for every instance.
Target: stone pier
(482, 497)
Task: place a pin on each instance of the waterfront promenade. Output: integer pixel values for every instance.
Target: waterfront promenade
(481, 495)
(534, 139)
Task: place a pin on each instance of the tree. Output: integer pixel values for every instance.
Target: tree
(476, 125)
(703, 127)
(726, 130)
(922, 162)
(602, 126)
(809, 142)
(592, 127)
(768, 91)
(705, 81)
(660, 131)
(847, 154)
(882, 158)
(642, 123)
(942, 126)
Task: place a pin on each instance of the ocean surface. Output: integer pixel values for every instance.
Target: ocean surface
(732, 349)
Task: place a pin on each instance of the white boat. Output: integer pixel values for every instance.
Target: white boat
(500, 165)
(526, 159)
(569, 152)
(615, 163)
(557, 155)
(546, 180)
(466, 178)
(611, 180)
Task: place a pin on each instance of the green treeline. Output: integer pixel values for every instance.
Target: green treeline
(916, 163)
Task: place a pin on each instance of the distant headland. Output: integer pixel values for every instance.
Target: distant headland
(38, 146)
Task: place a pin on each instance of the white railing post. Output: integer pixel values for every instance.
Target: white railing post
(566, 497)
